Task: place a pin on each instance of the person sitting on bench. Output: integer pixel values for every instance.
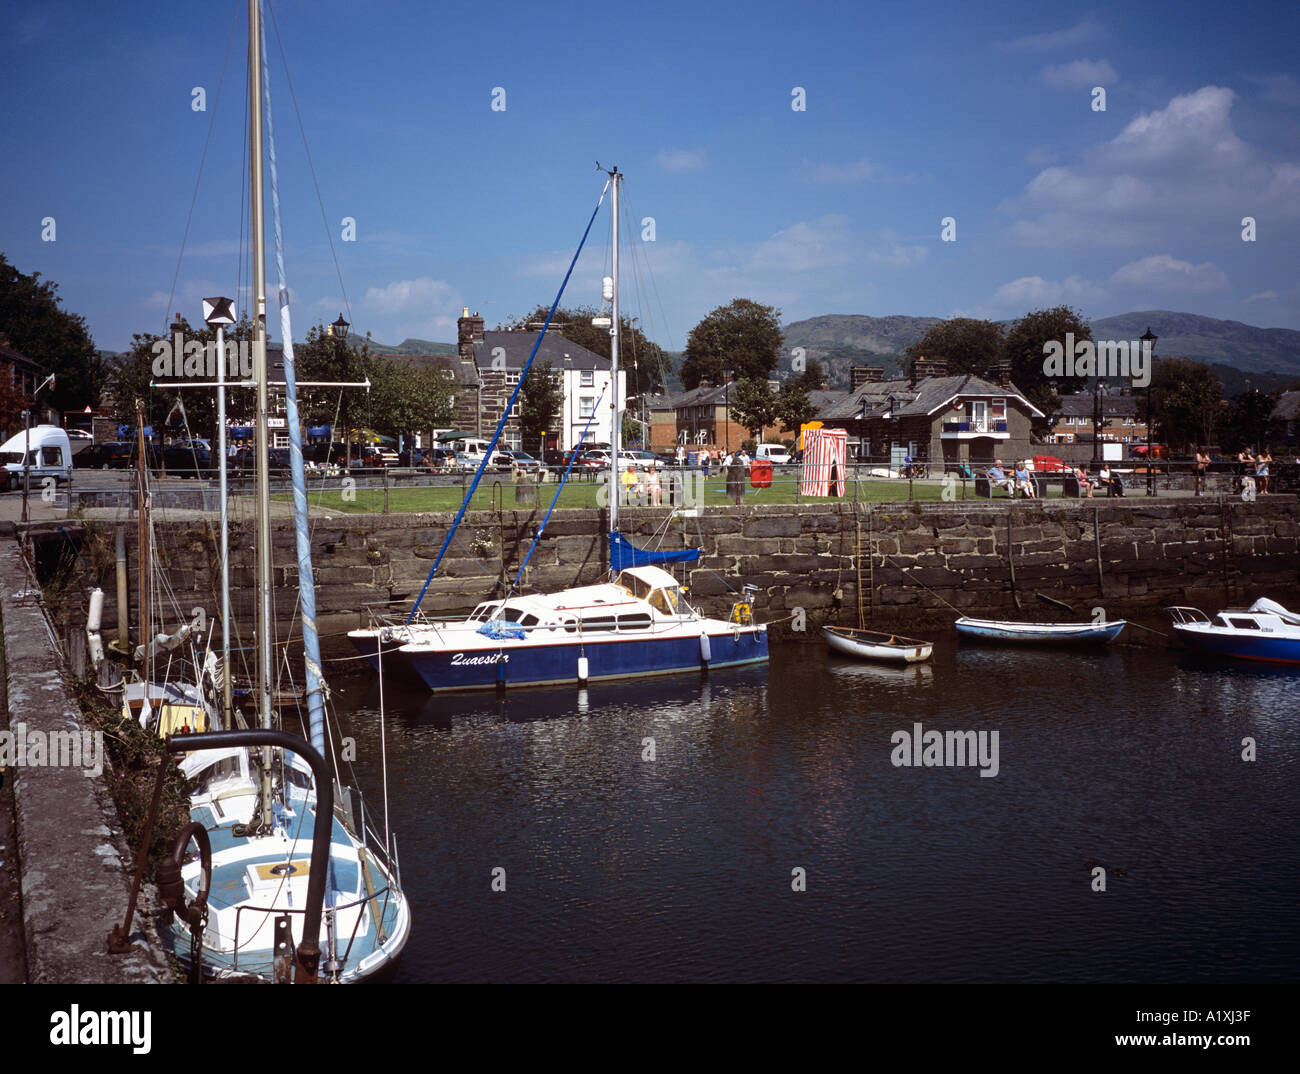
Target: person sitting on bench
(999, 479)
(1085, 482)
(1023, 481)
(1114, 485)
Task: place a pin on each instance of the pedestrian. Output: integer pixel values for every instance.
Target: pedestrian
(1201, 468)
(1261, 469)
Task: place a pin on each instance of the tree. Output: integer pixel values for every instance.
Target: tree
(964, 344)
(327, 358)
(132, 375)
(743, 336)
(1023, 349)
(644, 363)
(1186, 402)
(541, 401)
(793, 407)
(1245, 421)
(405, 400)
(34, 324)
(752, 403)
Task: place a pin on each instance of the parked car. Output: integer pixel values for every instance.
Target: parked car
(524, 461)
(79, 434)
(1049, 464)
(186, 460)
(112, 455)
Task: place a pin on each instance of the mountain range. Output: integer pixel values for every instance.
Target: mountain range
(1242, 355)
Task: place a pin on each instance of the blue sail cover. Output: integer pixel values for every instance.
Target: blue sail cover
(623, 554)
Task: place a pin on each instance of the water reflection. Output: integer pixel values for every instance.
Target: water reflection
(623, 868)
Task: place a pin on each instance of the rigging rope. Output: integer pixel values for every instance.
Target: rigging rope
(505, 413)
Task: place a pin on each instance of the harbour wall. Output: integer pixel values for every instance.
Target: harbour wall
(918, 561)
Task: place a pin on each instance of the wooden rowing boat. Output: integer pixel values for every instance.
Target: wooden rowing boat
(870, 645)
(1039, 633)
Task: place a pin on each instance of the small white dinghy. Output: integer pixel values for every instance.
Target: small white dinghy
(870, 645)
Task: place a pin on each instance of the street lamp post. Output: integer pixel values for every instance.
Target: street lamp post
(1148, 339)
(339, 332)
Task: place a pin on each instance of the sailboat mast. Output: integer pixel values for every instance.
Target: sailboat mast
(264, 678)
(615, 414)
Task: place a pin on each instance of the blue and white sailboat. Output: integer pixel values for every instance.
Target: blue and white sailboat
(638, 623)
(258, 805)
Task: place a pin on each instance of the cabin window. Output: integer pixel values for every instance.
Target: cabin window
(636, 621)
(529, 620)
(297, 777)
(570, 625)
(512, 615)
(665, 601)
(1243, 624)
(602, 622)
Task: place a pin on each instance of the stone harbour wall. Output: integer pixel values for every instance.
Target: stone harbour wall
(918, 561)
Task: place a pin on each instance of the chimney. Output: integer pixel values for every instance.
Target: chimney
(927, 367)
(469, 330)
(1001, 372)
(865, 374)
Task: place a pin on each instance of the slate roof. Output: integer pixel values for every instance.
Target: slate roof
(1079, 405)
(930, 394)
(466, 373)
(1288, 407)
(563, 353)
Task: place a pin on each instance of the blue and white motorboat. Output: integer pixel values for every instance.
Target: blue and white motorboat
(1039, 633)
(1265, 632)
(638, 624)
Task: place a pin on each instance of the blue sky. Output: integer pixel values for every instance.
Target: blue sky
(914, 113)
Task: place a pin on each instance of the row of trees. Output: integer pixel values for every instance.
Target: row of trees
(402, 399)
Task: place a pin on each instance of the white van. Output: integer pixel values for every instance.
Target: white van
(475, 450)
(774, 452)
(48, 453)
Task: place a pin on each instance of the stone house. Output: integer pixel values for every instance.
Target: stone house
(500, 357)
(946, 421)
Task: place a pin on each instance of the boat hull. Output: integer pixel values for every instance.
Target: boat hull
(1039, 633)
(1235, 646)
(869, 645)
(522, 663)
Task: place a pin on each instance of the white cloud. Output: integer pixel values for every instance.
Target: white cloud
(1160, 272)
(680, 160)
(1033, 292)
(1080, 74)
(1263, 296)
(408, 296)
(1086, 30)
(1169, 169)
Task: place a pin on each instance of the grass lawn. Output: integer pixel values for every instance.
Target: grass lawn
(583, 494)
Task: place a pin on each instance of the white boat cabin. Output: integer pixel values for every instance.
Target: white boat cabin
(637, 599)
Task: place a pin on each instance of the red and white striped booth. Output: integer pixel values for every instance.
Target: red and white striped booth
(824, 452)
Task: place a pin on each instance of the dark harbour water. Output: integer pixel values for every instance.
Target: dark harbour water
(680, 868)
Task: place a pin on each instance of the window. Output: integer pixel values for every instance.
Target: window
(586, 378)
(999, 410)
(586, 405)
(636, 621)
